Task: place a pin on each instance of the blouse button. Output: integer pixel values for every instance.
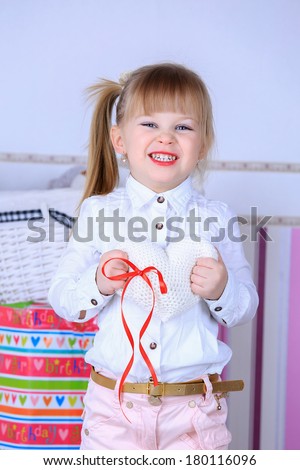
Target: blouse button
(160, 199)
(94, 302)
(86, 432)
(159, 226)
(218, 309)
(82, 314)
(153, 345)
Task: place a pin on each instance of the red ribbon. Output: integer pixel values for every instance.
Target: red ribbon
(163, 289)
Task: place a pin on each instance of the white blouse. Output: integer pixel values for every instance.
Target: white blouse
(186, 345)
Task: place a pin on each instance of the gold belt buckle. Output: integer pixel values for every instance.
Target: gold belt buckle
(154, 399)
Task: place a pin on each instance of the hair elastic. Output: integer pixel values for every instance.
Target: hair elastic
(124, 77)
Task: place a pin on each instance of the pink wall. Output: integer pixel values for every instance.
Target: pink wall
(292, 432)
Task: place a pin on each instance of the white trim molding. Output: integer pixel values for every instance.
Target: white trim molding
(214, 165)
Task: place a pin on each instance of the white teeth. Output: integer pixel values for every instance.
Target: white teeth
(163, 158)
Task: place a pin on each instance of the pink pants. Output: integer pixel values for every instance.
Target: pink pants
(179, 423)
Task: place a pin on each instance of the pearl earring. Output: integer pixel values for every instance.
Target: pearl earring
(124, 158)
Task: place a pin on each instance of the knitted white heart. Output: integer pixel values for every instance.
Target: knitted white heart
(175, 262)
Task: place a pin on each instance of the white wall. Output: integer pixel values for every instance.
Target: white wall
(246, 50)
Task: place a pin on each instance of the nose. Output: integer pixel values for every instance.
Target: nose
(165, 138)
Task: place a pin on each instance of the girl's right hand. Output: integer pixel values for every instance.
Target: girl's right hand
(113, 268)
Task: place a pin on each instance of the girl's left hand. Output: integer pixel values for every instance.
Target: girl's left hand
(209, 278)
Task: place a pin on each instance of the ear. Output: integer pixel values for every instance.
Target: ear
(117, 139)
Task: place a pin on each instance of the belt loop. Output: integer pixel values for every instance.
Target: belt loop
(116, 390)
(120, 400)
(208, 385)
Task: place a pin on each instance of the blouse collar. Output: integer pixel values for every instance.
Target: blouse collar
(177, 197)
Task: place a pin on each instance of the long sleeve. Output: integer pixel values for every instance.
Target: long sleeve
(238, 303)
(73, 288)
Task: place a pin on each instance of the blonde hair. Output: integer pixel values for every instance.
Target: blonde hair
(152, 88)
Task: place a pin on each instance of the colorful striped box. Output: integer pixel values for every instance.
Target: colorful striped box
(43, 377)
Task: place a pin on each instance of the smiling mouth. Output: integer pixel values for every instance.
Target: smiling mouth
(161, 157)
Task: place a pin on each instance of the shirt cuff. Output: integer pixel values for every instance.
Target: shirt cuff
(223, 309)
(91, 301)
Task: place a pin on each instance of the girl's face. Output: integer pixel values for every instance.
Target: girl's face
(162, 148)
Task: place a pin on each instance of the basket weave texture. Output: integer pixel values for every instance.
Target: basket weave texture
(30, 250)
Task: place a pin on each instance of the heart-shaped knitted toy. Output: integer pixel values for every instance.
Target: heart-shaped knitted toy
(175, 262)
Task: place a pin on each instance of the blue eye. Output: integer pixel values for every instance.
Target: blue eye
(182, 127)
(148, 124)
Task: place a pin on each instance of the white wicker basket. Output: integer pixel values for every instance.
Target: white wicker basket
(27, 266)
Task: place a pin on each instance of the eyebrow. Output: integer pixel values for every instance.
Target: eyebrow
(180, 118)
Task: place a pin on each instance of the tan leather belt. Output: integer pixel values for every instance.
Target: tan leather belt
(171, 389)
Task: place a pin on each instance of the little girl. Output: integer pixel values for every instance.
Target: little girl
(159, 265)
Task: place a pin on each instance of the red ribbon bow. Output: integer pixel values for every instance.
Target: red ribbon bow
(163, 289)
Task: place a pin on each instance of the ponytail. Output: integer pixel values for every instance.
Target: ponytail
(102, 171)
